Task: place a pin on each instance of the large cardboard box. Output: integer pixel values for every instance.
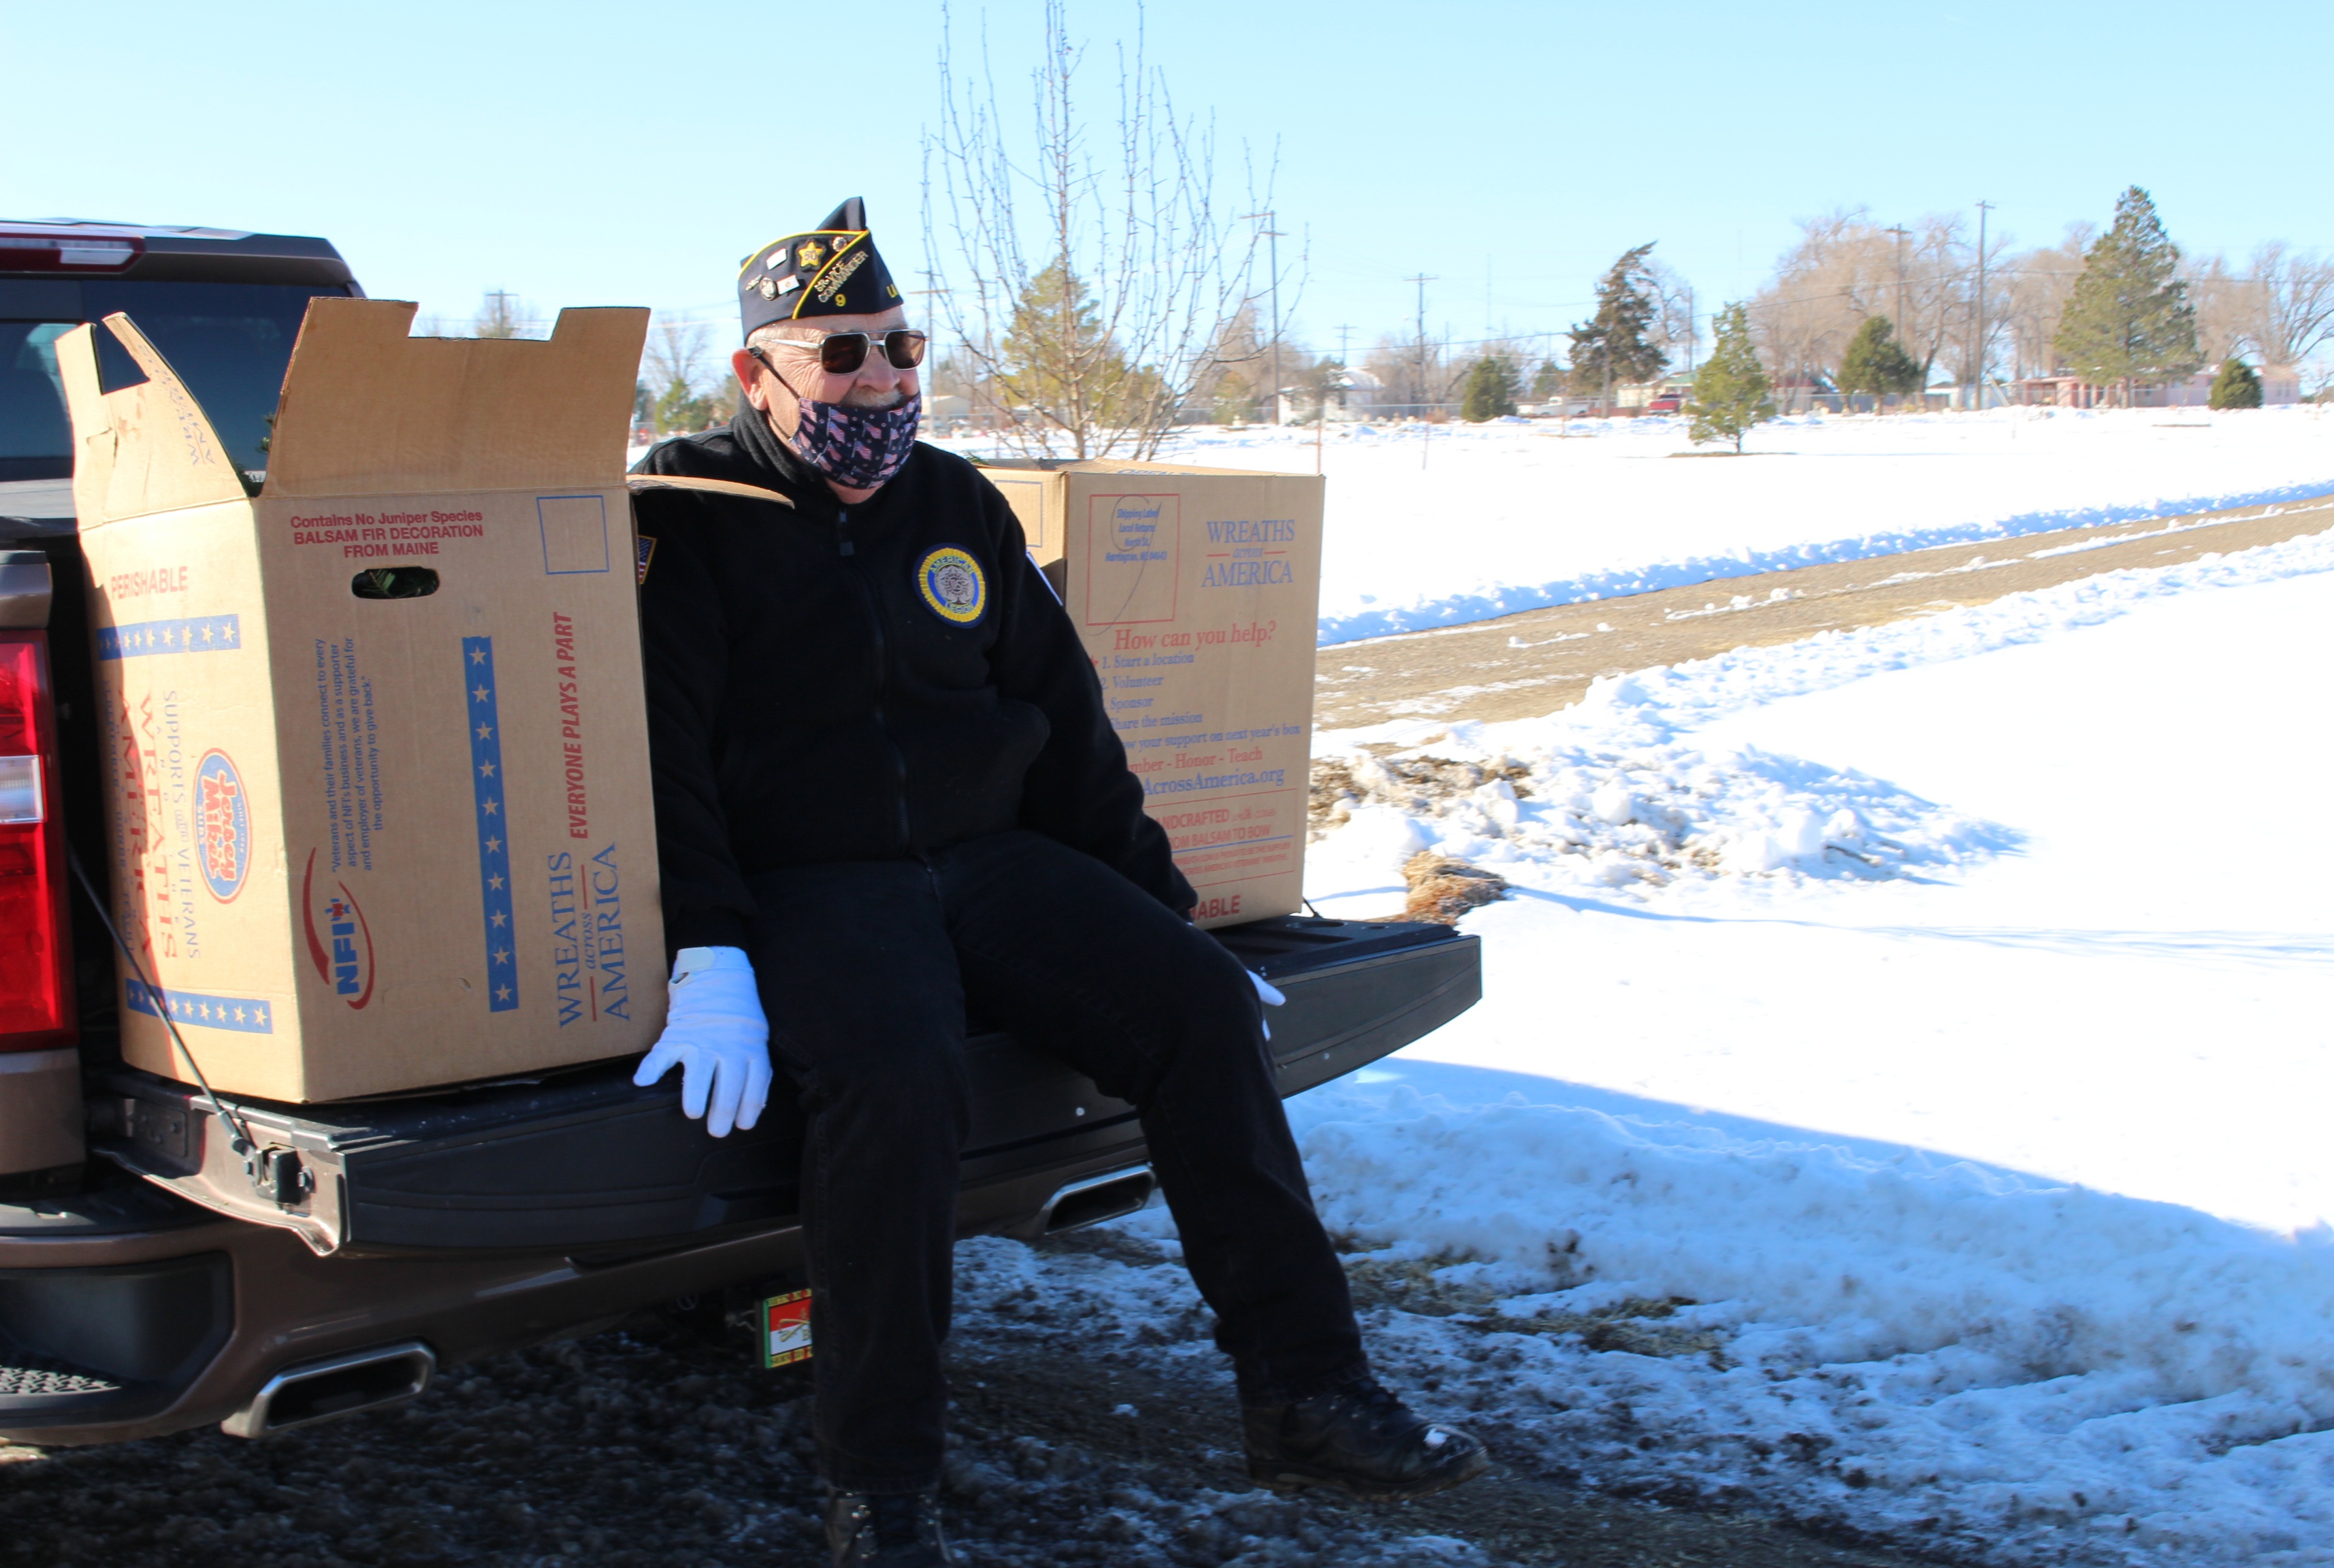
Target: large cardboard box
(1197, 593)
(362, 844)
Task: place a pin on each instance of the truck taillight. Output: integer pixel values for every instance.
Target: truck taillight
(36, 965)
(65, 250)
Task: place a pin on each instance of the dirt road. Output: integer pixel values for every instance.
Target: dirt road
(1539, 660)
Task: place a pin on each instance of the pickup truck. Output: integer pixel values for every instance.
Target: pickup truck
(170, 1258)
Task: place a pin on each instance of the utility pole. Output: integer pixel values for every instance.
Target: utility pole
(1344, 335)
(1272, 238)
(1899, 232)
(966, 366)
(1977, 349)
(1421, 280)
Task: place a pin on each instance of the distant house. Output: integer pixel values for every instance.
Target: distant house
(1356, 397)
(2280, 385)
(1801, 393)
(1632, 397)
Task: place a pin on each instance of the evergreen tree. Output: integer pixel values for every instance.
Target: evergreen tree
(1877, 363)
(1547, 381)
(1058, 362)
(1613, 347)
(1731, 390)
(1490, 390)
(2236, 386)
(1235, 402)
(679, 409)
(2128, 317)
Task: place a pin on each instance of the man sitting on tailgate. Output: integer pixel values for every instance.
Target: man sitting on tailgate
(886, 792)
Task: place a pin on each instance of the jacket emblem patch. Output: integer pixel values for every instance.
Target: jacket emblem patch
(952, 585)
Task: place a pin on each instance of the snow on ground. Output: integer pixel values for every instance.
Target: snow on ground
(1926, 1137)
(1434, 525)
(2039, 882)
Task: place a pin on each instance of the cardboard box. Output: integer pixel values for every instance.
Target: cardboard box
(368, 844)
(1197, 592)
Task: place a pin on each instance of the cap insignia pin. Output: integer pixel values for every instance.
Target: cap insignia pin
(812, 253)
(770, 290)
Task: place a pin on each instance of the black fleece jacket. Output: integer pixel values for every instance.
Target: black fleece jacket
(832, 683)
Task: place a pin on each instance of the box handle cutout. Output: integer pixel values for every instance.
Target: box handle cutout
(394, 583)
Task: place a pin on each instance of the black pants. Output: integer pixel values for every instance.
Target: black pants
(866, 970)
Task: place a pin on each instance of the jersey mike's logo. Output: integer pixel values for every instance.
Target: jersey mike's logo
(952, 585)
(222, 825)
(341, 949)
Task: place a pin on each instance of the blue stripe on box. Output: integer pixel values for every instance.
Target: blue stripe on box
(494, 835)
(189, 634)
(244, 1014)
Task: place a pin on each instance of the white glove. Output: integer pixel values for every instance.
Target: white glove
(715, 1031)
(1269, 992)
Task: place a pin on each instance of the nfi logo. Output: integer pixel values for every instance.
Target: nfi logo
(341, 949)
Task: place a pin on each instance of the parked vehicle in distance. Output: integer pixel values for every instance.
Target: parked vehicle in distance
(266, 1265)
(1667, 403)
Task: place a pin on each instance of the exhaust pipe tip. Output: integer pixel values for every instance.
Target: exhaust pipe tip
(1114, 1195)
(337, 1385)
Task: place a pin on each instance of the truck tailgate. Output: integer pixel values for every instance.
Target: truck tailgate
(583, 1160)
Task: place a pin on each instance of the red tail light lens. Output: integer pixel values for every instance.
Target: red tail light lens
(35, 988)
(68, 251)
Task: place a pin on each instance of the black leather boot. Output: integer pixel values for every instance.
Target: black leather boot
(886, 1530)
(1361, 1439)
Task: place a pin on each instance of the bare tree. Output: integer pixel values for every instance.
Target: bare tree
(1414, 377)
(1232, 381)
(2033, 296)
(2293, 303)
(1673, 328)
(2227, 306)
(501, 315)
(1838, 272)
(1847, 267)
(1088, 295)
(675, 355)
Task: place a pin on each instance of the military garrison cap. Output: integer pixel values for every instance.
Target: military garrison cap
(831, 270)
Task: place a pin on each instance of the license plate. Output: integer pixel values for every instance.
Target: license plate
(785, 1329)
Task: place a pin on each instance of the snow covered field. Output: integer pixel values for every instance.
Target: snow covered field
(1438, 525)
(1997, 1155)
(1900, 1095)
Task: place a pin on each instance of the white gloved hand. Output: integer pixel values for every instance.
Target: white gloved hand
(1271, 993)
(715, 1032)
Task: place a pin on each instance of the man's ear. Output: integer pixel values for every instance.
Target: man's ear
(768, 393)
(748, 371)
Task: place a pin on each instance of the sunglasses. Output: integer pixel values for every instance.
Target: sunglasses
(841, 353)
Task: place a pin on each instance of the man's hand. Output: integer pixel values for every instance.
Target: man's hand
(715, 1031)
(1269, 992)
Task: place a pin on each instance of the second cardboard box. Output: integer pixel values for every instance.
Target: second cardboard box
(1196, 592)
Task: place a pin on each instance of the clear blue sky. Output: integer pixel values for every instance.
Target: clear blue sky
(589, 153)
